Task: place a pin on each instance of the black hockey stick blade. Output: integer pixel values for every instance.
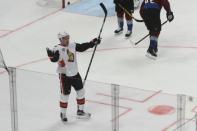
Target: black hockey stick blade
(105, 11)
(104, 8)
(138, 20)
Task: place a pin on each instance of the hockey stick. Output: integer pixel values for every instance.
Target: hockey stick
(125, 10)
(148, 34)
(99, 36)
(3, 62)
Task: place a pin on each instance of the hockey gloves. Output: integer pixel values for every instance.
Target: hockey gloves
(49, 52)
(170, 16)
(54, 56)
(96, 41)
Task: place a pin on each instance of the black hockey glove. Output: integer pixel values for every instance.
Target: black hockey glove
(96, 41)
(170, 16)
(54, 56)
(50, 53)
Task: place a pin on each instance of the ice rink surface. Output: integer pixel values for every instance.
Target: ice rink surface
(26, 29)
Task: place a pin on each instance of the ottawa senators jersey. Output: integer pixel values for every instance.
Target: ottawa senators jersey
(67, 62)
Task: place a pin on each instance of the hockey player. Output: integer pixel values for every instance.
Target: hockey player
(120, 7)
(65, 55)
(150, 12)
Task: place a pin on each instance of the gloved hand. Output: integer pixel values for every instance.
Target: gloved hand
(56, 54)
(51, 53)
(96, 41)
(170, 16)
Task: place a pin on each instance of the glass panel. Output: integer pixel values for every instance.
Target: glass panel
(38, 107)
(5, 118)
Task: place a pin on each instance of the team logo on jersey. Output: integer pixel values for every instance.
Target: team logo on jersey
(70, 56)
(63, 49)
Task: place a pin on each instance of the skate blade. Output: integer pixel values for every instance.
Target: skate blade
(64, 122)
(116, 34)
(86, 117)
(150, 56)
(127, 37)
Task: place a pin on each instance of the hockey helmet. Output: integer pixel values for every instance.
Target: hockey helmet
(62, 34)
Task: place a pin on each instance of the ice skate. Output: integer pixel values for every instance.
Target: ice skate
(118, 31)
(152, 53)
(156, 50)
(128, 34)
(83, 115)
(63, 117)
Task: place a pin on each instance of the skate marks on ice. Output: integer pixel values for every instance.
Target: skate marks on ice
(121, 36)
(74, 118)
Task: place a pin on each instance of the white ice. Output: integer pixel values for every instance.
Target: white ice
(26, 29)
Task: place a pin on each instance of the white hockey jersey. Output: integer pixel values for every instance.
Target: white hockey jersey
(67, 63)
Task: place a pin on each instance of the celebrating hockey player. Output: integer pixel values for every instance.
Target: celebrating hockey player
(65, 55)
(150, 12)
(123, 7)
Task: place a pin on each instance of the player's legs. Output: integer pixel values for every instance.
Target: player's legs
(78, 86)
(129, 24)
(120, 19)
(65, 87)
(153, 23)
